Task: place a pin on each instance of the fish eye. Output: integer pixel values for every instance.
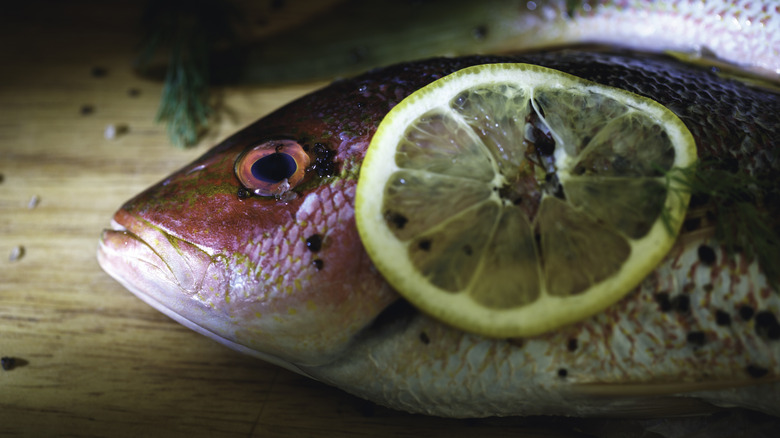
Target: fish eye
(272, 168)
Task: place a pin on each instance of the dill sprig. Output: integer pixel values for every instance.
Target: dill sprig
(188, 31)
(184, 106)
(741, 206)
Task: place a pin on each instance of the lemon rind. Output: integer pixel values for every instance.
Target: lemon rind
(390, 255)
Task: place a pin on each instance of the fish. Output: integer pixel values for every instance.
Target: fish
(285, 278)
(348, 39)
(276, 289)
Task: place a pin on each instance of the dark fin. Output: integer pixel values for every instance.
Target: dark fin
(658, 389)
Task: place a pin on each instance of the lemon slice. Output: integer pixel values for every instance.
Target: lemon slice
(509, 199)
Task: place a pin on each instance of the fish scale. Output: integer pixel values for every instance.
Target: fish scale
(633, 341)
(342, 324)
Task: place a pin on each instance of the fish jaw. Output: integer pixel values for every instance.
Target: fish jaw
(141, 268)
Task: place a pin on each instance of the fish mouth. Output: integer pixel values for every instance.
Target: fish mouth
(169, 274)
(149, 260)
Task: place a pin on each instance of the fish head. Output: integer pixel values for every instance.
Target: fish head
(254, 244)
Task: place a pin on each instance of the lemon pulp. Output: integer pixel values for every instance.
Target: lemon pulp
(510, 199)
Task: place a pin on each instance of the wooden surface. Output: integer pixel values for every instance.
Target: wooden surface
(92, 360)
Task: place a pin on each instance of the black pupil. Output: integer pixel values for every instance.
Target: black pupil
(274, 167)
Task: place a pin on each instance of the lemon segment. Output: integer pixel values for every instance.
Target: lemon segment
(509, 199)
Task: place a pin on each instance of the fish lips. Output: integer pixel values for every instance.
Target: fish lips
(139, 255)
(168, 274)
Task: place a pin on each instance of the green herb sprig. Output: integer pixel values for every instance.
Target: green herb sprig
(742, 207)
(188, 31)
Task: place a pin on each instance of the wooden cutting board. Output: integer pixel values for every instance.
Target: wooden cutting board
(91, 359)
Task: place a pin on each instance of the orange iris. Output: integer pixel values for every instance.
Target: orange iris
(272, 168)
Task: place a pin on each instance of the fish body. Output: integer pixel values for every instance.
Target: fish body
(286, 278)
(349, 39)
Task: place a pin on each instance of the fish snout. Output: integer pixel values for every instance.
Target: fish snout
(167, 273)
(173, 262)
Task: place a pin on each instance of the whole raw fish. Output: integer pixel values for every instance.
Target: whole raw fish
(286, 278)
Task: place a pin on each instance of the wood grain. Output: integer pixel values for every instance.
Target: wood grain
(92, 360)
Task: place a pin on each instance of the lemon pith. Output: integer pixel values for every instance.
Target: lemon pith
(510, 199)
